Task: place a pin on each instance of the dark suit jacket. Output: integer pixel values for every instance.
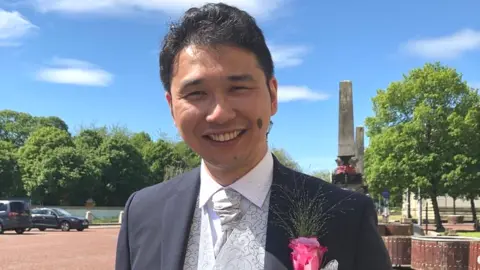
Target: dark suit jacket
(157, 220)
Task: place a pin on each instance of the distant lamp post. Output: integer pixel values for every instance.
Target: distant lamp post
(90, 203)
(386, 210)
(419, 208)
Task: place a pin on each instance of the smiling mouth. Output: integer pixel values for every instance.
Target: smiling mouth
(226, 137)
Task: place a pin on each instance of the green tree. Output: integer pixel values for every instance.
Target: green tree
(188, 158)
(10, 178)
(464, 177)
(90, 139)
(183, 159)
(52, 121)
(88, 142)
(141, 140)
(159, 156)
(123, 171)
(16, 127)
(286, 159)
(325, 175)
(386, 162)
(35, 158)
(410, 142)
(68, 176)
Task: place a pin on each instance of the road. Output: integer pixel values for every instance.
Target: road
(92, 249)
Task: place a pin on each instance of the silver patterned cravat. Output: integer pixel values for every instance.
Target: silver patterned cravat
(226, 204)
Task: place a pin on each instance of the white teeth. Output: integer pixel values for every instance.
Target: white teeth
(225, 136)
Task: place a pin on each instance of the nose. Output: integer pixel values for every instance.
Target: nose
(221, 113)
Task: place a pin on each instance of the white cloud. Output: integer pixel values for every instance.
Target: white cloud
(259, 8)
(445, 47)
(13, 26)
(73, 71)
(287, 56)
(294, 93)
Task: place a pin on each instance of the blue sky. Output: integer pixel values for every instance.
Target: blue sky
(95, 62)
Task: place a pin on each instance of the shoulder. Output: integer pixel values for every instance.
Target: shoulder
(344, 210)
(332, 193)
(158, 193)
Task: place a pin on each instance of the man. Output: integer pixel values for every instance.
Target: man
(220, 85)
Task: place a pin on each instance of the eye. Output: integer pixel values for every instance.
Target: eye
(195, 94)
(237, 88)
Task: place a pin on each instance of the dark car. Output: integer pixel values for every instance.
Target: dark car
(15, 216)
(57, 218)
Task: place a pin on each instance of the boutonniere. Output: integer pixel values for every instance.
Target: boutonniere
(307, 253)
(305, 222)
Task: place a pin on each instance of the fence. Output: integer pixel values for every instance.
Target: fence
(445, 205)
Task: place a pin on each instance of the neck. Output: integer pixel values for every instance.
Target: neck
(226, 176)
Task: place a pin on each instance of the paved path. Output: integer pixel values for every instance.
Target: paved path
(92, 249)
(469, 227)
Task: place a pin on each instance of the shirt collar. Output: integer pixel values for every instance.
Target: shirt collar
(254, 185)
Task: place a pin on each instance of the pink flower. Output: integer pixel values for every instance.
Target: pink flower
(307, 253)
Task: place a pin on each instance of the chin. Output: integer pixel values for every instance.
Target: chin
(223, 160)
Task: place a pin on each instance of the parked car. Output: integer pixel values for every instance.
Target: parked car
(57, 218)
(15, 216)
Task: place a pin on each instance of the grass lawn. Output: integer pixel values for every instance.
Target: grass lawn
(105, 220)
(391, 218)
(469, 234)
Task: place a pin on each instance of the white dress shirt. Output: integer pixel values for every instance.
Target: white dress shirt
(253, 186)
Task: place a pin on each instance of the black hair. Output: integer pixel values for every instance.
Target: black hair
(210, 25)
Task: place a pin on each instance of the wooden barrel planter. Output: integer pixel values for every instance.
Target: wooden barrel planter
(474, 256)
(382, 230)
(455, 219)
(399, 248)
(441, 252)
(389, 229)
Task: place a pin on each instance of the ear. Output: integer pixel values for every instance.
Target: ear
(273, 85)
(168, 97)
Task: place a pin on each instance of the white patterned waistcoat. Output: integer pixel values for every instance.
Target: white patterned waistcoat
(243, 250)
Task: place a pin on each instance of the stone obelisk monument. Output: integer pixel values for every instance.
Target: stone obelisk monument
(346, 141)
(348, 173)
(359, 148)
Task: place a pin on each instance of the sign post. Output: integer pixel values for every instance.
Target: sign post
(419, 208)
(386, 212)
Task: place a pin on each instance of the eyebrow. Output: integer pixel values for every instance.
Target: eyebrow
(192, 82)
(240, 78)
(233, 78)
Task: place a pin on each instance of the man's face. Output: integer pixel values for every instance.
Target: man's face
(221, 104)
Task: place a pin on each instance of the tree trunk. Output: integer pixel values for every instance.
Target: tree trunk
(409, 212)
(436, 211)
(454, 205)
(474, 211)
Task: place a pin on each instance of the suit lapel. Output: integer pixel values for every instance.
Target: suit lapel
(277, 237)
(176, 220)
